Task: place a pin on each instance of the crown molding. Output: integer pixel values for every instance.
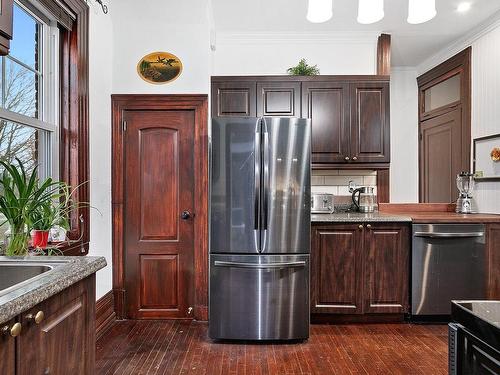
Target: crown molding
(491, 23)
(355, 37)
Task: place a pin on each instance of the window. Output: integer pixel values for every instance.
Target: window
(28, 97)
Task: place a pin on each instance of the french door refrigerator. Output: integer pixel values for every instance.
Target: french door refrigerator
(260, 228)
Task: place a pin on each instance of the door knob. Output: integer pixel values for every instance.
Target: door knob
(185, 215)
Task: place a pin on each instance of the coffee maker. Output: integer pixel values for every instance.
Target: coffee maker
(465, 185)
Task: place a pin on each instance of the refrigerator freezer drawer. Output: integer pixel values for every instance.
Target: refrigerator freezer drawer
(259, 297)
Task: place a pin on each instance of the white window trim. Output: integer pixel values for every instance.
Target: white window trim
(48, 97)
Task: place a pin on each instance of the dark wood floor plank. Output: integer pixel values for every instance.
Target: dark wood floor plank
(183, 347)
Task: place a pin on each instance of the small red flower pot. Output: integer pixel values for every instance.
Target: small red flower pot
(40, 238)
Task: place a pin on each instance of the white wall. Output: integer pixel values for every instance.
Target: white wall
(100, 80)
(485, 107)
(117, 41)
(485, 40)
(273, 53)
(179, 27)
(404, 136)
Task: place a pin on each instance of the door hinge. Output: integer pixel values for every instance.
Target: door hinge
(124, 126)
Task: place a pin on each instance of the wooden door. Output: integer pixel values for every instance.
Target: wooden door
(327, 105)
(159, 190)
(337, 269)
(387, 252)
(7, 349)
(440, 157)
(234, 99)
(64, 341)
(370, 127)
(278, 99)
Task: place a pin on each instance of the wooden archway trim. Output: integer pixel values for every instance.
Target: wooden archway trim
(197, 103)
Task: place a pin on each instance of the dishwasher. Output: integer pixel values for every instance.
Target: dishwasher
(449, 262)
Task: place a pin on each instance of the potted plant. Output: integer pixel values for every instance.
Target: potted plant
(303, 69)
(29, 205)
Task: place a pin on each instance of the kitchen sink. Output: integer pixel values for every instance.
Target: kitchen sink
(16, 273)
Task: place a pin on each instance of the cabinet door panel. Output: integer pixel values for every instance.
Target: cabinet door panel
(387, 249)
(336, 273)
(370, 138)
(234, 99)
(327, 105)
(279, 99)
(7, 350)
(64, 342)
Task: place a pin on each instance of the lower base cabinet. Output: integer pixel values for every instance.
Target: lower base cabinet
(360, 268)
(57, 336)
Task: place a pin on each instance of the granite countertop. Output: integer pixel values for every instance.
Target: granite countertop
(66, 272)
(358, 217)
(482, 318)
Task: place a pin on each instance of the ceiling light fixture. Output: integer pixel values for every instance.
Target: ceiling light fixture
(370, 11)
(420, 11)
(463, 7)
(319, 11)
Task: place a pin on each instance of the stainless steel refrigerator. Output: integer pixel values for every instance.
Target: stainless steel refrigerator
(260, 228)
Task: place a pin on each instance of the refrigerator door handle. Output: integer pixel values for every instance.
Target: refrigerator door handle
(257, 166)
(219, 263)
(266, 192)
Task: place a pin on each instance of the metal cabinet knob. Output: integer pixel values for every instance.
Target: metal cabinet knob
(185, 215)
(13, 331)
(360, 226)
(354, 158)
(347, 158)
(37, 318)
(368, 226)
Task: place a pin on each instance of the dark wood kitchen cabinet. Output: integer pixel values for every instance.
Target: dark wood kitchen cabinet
(370, 130)
(8, 348)
(360, 268)
(387, 263)
(278, 99)
(327, 105)
(6, 10)
(234, 98)
(349, 114)
(57, 335)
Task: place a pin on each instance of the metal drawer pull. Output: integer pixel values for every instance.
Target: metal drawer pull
(448, 235)
(259, 266)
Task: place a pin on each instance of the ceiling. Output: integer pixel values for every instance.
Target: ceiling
(411, 44)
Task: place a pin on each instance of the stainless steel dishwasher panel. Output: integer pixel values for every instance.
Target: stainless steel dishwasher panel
(449, 262)
(259, 297)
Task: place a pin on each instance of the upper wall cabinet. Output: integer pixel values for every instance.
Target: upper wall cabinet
(233, 99)
(349, 114)
(6, 8)
(327, 105)
(370, 131)
(279, 99)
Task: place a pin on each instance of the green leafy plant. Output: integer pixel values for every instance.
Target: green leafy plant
(30, 204)
(303, 69)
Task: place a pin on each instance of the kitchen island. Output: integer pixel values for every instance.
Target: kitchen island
(47, 314)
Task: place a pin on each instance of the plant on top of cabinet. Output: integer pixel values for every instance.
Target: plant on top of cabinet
(303, 69)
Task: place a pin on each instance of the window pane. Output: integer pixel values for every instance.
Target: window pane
(443, 93)
(19, 141)
(26, 33)
(21, 87)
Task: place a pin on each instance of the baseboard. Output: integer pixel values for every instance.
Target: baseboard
(105, 316)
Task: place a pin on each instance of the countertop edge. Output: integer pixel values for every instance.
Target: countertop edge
(71, 274)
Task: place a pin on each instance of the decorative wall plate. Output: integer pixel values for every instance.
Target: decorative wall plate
(159, 67)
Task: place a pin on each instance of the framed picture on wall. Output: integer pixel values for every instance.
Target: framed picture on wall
(487, 158)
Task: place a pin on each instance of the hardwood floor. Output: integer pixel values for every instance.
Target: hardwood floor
(182, 347)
